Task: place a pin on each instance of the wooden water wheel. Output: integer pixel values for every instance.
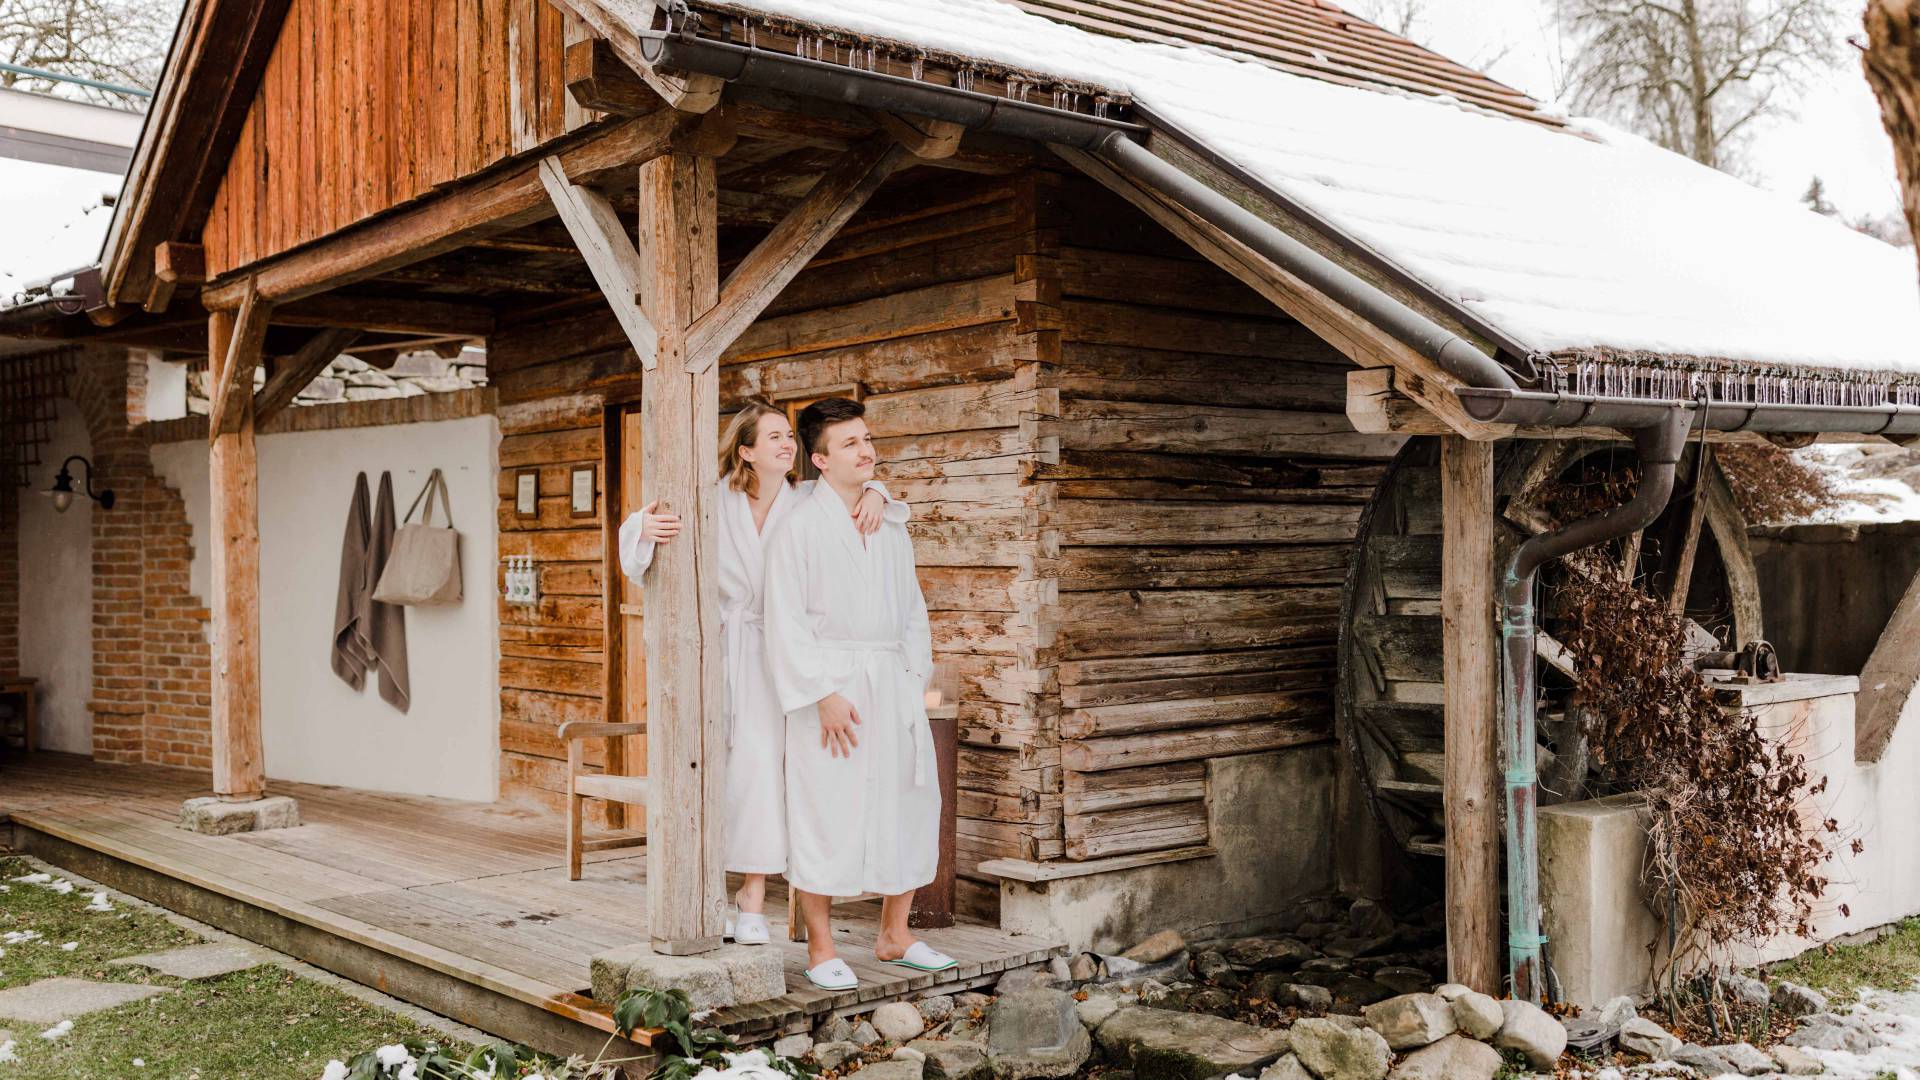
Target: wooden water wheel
(1389, 702)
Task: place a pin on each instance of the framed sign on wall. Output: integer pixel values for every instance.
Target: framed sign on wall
(526, 493)
(583, 490)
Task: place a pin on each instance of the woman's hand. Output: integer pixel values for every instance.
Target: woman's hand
(837, 721)
(658, 528)
(869, 512)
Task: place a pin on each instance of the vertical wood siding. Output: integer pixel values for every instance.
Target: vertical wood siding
(367, 104)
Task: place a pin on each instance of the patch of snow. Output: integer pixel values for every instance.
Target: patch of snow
(57, 1031)
(20, 937)
(1589, 237)
(335, 1070)
(1868, 478)
(52, 219)
(7, 1052)
(751, 1065)
(139, 1063)
(98, 902)
(70, 946)
(392, 1055)
(1895, 1018)
(34, 879)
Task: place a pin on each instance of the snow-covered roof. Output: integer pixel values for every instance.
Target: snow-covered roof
(52, 220)
(1588, 238)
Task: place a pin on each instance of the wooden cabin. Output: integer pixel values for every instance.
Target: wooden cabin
(1138, 454)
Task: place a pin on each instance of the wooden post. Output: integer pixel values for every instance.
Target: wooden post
(1472, 713)
(238, 770)
(680, 426)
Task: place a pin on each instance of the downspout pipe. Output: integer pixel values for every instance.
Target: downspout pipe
(1659, 446)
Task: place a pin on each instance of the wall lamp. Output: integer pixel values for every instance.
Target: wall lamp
(62, 489)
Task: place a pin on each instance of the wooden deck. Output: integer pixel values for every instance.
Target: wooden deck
(463, 908)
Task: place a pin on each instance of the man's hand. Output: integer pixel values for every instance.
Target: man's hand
(837, 721)
(869, 512)
(658, 528)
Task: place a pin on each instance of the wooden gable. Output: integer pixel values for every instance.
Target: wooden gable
(367, 104)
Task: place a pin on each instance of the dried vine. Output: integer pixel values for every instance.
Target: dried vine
(1771, 486)
(1731, 850)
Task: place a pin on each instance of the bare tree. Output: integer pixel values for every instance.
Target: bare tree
(1402, 17)
(123, 42)
(1693, 75)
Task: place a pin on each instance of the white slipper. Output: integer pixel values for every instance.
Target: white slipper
(923, 957)
(833, 974)
(750, 928)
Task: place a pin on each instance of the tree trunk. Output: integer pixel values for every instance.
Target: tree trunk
(1705, 148)
(1892, 62)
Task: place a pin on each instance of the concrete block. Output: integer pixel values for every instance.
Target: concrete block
(217, 817)
(1591, 854)
(730, 975)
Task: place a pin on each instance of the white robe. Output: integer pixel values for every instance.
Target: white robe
(756, 815)
(847, 617)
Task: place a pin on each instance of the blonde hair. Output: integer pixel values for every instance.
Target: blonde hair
(743, 431)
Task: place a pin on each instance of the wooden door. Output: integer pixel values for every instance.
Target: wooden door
(626, 645)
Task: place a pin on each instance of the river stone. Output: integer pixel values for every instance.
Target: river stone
(937, 1009)
(898, 1021)
(1099, 1005)
(1334, 1051)
(1642, 1036)
(1277, 988)
(1411, 1021)
(1404, 980)
(793, 1046)
(1287, 1068)
(1796, 1062)
(1036, 1033)
(895, 1069)
(865, 1034)
(1749, 1059)
(1825, 1031)
(1477, 1015)
(1746, 989)
(1703, 1061)
(1793, 999)
(1212, 966)
(1157, 948)
(1270, 954)
(833, 1029)
(832, 1055)
(1452, 1058)
(1528, 1029)
(953, 1059)
(1163, 1045)
(1359, 990)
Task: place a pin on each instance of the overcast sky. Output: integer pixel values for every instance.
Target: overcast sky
(1836, 130)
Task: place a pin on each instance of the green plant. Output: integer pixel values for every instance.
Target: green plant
(493, 1061)
(685, 1047)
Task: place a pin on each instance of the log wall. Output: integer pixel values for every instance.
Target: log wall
(1204, 488)
(366, 104)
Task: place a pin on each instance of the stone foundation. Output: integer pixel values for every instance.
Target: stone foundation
(218, 817)
(729, 975)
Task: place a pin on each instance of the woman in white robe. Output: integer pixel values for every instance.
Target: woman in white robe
(755, 494)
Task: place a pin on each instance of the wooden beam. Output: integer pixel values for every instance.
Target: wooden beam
(238, 770)
(494, 202)
(924, 137)
(296, 371)
(598, 79)
(603, 243)
(391, 315)
(232, 378)
(685, 93)
(680, 420)
(778, 258)
(174, 264)
(1471, 797)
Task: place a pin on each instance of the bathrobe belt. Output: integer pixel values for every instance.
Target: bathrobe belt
(734, 626)
(916, 729)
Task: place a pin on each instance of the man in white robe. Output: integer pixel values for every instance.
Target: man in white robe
(850, 652)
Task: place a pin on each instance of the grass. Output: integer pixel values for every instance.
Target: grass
(265, 1023)
(1888, 962)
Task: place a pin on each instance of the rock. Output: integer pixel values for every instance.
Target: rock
(1352, 946)
(1617, 1012)
(1333, 1051)
(1404, 980)
(1327, 963)
(1210, 999)
(1162, 1045)
(1157, 948)
(1793, 999)
(969, 999)
(892, 1070)
(793, 1046)
(1749, 1059)
(1411, 1021)
(1293, 995)
(1099, 1005)
(909, 1053)
(832, 1055)
(1014, 980)
(1356, 990)
(1825, 1031)
(1452, 1058)
(1477, 1015)
(833, 1029)
(1036, 1033)
(864, 1034)
(1060, 970)
(1703, 1061)
(1369, 920)
(1528, 1029)
(1212, 966)
(1287, 1068)
(1642, 1036)
(952, 1059)
(1084, 967)
(1450, 991)
(1166, 997)
(937, 1009)
(898, 1021)
(729, 975)
(1796, 1062)
(1270, 954)
(1746, 989)
(214, 816)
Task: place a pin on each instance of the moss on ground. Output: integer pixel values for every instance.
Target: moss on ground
(265, 1023)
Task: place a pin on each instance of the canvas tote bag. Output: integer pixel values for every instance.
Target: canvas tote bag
(424, 569)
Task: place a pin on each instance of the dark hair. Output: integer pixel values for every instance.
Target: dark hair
(816, 418)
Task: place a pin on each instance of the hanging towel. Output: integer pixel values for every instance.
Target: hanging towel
(386, 623)
(352, 651)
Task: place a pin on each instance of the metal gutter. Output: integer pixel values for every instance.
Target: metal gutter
(1536, 408)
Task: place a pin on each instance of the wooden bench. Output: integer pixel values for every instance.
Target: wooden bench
(583, 785)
